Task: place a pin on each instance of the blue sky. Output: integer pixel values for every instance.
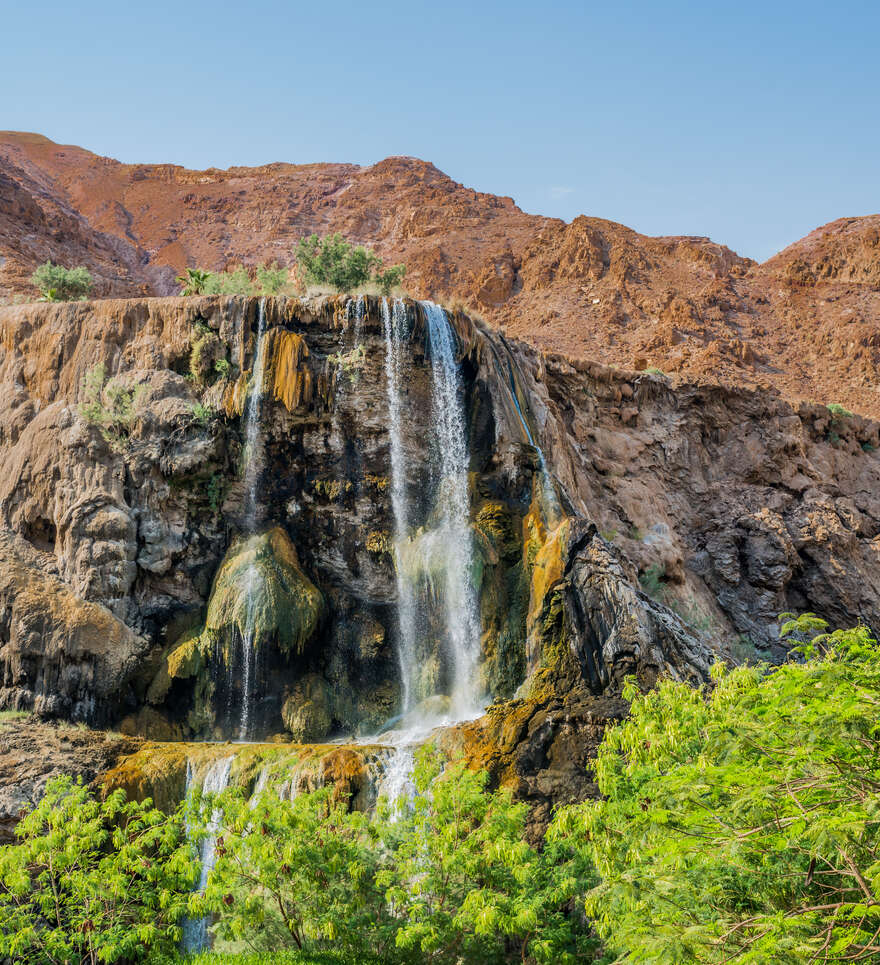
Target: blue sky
(752, 123)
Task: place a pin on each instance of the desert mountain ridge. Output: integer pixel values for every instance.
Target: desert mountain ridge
(804, 323)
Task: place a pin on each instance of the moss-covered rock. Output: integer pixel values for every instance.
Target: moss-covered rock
(261, 588)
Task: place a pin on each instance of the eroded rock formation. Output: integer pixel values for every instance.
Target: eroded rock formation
(621, 526)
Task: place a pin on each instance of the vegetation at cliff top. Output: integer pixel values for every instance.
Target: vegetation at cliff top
(740, 823)
(58, 284)
(335, 263)
(325, 264)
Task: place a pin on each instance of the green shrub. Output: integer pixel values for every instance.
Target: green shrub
(653, 582)
(92, 881)
(234, 282)
(390, 278)
(838, 411)
(58, 284)
(297, 875)
(223, 368)
(468, 887)
(741, 823)
(334, 263)
(109, 406)
(446, 878)
(271, 279)
(202, 413)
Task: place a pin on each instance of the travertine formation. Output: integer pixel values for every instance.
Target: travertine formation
(621, 526)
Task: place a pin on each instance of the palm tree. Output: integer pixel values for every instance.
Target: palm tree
(194, 281)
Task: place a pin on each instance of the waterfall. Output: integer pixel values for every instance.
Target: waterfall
(254, 456)
(195, 931)
(395, 330)
(252, 411)
(453, 503)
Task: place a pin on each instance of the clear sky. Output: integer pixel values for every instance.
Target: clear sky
(750, 122)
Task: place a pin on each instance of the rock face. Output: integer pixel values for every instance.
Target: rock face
(804, 322)
(621, 526)
(32, 753)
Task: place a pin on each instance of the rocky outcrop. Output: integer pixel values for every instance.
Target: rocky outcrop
(621, 526)
(32, 753)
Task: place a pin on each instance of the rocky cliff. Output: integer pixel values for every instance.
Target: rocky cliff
(803, 323)
(160, 569)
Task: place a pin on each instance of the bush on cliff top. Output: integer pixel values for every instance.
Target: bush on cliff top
(58, 284)
(334, 263)
(743, 825)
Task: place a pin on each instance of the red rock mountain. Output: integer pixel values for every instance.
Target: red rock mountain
(806, 322)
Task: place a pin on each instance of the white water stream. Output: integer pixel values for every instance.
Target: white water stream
(195, 930)
(254, 457)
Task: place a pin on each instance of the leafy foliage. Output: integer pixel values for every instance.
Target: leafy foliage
(194, 281)
(298, 874)
(838, 411)
(109, 405)
(741, 825)
(59, 284)
(92, 881)
(236, 281)
(446, 878)
(335, 263)
(467, 885)
(390, 278)
(272, 279)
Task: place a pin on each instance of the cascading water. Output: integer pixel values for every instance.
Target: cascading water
(254, 457)
(395, 330)
(453, 503)
(195, 930)
(444, 553)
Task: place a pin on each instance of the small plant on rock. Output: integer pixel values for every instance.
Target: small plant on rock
(109, 406)
(838, 411)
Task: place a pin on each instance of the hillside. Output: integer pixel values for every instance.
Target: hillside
(803, 323)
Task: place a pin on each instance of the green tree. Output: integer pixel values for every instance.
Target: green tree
(298, 874)
(390, 278)
(109, 406)
(469, 888)
(92, 881)
(194, 281)
(740, 824)
(59, 284)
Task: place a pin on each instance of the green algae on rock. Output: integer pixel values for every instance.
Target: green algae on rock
(261, 584)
